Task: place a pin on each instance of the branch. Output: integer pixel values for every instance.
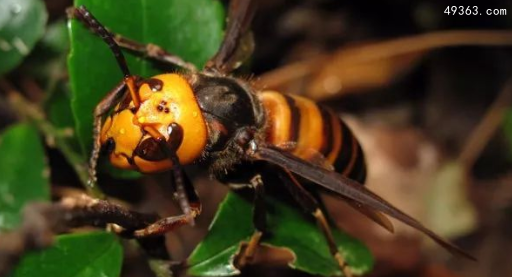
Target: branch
(487, 127)
(42, 221)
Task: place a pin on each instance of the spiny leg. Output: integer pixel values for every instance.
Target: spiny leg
(154, 52)
(259, 221)
(170, 223)
(186, 194)
(85, 17)
(189, 198)
(165, 225)
(310, 205)
(106, 104)
(149, 50)
(185, 191)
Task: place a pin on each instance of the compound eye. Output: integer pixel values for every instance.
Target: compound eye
(109, 145)
(150, 150)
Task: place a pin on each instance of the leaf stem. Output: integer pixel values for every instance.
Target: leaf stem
(487, 127)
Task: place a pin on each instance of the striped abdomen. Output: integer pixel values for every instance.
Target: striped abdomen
(312, 133)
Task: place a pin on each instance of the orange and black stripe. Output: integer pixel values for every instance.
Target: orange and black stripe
(314, 132)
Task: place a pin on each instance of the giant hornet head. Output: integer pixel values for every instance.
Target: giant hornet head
(167, 113)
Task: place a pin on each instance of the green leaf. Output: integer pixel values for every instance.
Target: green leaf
(22, 24)
(58, 107)
(76, 255)
(231, 225)
(288, 228)
(190, 29)
(306, 241)
(23, 171)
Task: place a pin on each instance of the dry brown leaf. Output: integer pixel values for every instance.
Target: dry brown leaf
(348, 73)
(372, 65)
(450, 212)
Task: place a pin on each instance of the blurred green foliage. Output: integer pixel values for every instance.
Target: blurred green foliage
(78, 255)
(22, 23)
(24, 173)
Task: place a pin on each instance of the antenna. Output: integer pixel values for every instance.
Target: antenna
(83, 15)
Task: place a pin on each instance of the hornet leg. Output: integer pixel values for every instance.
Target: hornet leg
(88, 20)
(106, 104)
(310, 205)
(186, 194)
(259, 220)
(149, 50)
(154, 52)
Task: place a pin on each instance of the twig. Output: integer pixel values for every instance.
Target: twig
(26, 109)
(41, 221)
(486, 128)
(387, 49)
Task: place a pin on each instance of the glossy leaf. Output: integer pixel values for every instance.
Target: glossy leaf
(76, 255)
(176, 25)
(306, 241)
(58, 107)
(22, 24)
(288, 229)
(232, 224)
(23, 171)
